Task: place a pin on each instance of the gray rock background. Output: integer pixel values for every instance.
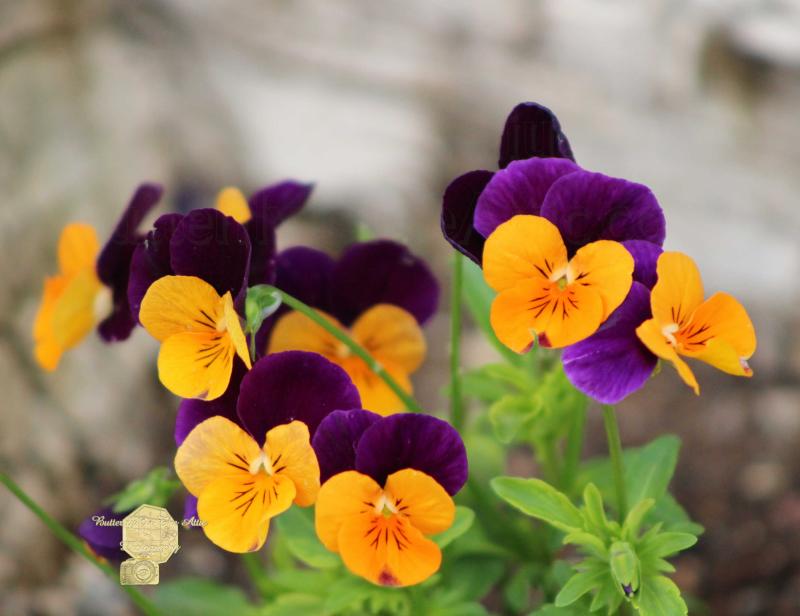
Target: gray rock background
(381, 104)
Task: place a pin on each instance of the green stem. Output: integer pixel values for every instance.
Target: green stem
(351, 344)
(615, 452)
(573, 450)
(253, 357)
(76, 544)
(456, 397)
(255, 569)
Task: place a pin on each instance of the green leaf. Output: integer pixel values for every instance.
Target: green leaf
(262, 301)
(552, 610)
(301, 539)
(517, 592)
(633, 521)
(472, 577)
(578, 585)
(290, 604)
(461, 524)
(674, 517)
(155, 488)
(350, 592)
(667, 544)
(648, 475)
(589, 542)
(659, 596)
(539, 499)
(479, 297)
(201, 597)
(593, 507)
(510, 414)
(487, 457)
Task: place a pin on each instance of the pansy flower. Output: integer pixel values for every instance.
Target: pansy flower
(616, 360)
(378, 291)
(542, 292)
(246, 472)
(230, 247)
(102, 534)
(91, 287)
(387, 487)
(200, 334)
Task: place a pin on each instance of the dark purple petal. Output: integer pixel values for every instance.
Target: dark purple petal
(307, 274)
(383, 271)
(192, 411)
(293, 385)
(336, 440)
(114, 262)
(151, 259)
(458, 212)
(532, 130)
(413, 440)
(520, 188)
(214, 247)
(190, 510)
(274, 204)
(645, 256)
(589, 206)
(104, 540)
(263, 243)
(613, 362)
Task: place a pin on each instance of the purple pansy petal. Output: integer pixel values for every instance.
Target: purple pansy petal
(413, 440)
(613, 362)
(589, 206)
(458, 211)
(191, 411)
(520, 188)
(269, 207)
(306, 274)
(532, 130)
(151, 259)
(214, 247)
(104, 540)
(336, 440)
(293, 385)
(190, 509)
(645, 256)
(383, 271)
(114, 262)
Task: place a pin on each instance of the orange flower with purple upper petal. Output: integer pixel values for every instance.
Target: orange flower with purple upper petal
(717, 330)
(541, 292)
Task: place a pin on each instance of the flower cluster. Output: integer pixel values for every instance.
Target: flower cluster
(576, 259)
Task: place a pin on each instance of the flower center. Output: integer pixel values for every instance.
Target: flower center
(261, 461)
(103, 303)
(385, 505)
(669, 333)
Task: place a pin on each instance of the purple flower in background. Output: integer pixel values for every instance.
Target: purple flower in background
(613, 362)
(102, 532)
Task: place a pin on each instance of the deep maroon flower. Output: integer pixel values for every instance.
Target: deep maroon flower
(102, 532)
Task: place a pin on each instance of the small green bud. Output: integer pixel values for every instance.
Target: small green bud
(625, 567)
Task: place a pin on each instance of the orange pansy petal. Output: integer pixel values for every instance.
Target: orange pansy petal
(388, 550)
(522, 248)
(73, 313)
(653, 338)
(391, 335)
(296, 332)
(46, 350)
(679, 289)
(518, 312)
(575, 314)
(233, 327)
(607, 267)
(196, 364)
(375, 394)
(721, 317)
(720, 354)
(177, 304)
(77, 249)
(288, 447)
(422, 500)
(215, 448)
(343, 497)
(231, 202)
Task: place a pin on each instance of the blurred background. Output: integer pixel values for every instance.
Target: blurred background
(381, 104)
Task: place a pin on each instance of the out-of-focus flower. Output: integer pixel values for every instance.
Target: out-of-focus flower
(241, 478)
(387, 486)
(91, 287)
(200, 333)
(102, 533)
(541, 291)
(380, 292)
(717, 331)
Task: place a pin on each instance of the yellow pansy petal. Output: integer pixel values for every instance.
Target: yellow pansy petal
(233, 327)
(288, 447)
(678, 290)
(177, 304)
(518, 312)
(77, 249)
(422, 500)
(231, 202)
(375, 394)
(388, 550)
(196, 364)
(391, 335)
(522, 248)
(606, 267)
(720, 317)
(296, 332)
(46, 350)
(342, 497)
(653, 338)
(73, 314)
(215, 448)
(721, 354)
